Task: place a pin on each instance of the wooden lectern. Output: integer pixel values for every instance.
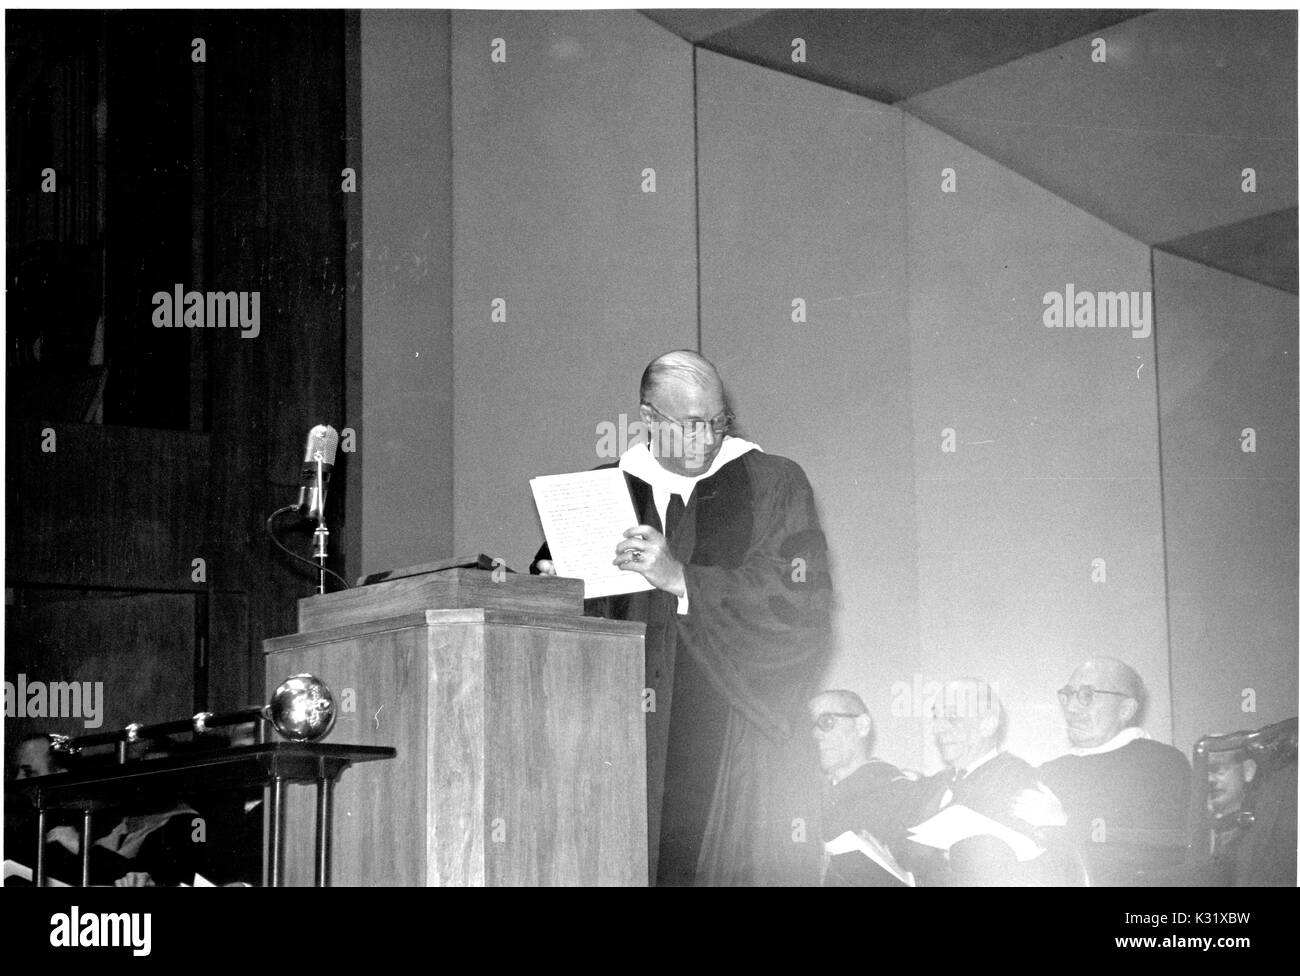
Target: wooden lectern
(517, 722)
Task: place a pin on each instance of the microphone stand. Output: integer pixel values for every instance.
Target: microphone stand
(321, 538)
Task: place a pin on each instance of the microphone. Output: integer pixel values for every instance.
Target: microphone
(317, 463)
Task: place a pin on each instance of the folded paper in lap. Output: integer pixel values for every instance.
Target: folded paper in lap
(957, 823)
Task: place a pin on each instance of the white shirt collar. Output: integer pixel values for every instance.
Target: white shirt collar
(640, 463)
(1119, 741)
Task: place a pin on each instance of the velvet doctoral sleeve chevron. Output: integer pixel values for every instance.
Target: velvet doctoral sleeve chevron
(759, 619)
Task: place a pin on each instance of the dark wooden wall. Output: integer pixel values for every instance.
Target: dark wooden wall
(222, 176)
(277, 223)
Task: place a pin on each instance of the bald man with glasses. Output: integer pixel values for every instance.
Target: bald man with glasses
(864, 797)
(737, 628)
(1126, 795)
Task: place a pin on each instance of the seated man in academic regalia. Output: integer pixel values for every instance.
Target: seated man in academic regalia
(1252, 801)
(986, 811)
(867, 803)
(34, 756)
(1266, 856)
(156, 841)
(1125, 794)
(1230, 774)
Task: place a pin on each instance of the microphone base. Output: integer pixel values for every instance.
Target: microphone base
(320, 540)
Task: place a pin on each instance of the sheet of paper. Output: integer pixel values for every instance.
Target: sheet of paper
(584, 516)
(958, 822)
(864, 843)
(14, 869)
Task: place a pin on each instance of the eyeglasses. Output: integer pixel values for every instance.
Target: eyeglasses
(1085, 693)
(695, 428)
(826, 720)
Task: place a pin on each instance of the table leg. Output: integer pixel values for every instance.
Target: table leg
(266, 835)
(324, 829)
(85, 849)
(39, 880)
(272, 868)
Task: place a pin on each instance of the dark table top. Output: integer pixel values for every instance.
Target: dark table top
(111, 784)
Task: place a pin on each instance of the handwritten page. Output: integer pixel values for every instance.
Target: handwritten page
(584, 516)
(957, 822)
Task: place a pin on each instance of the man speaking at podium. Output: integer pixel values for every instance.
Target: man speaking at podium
(737, 630)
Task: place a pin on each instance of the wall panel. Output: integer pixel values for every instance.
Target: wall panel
(597, 277)
(1056, 456)
(406, 429)
(1227, 351)
(802, 197)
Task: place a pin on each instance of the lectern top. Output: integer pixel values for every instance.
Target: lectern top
(445, 589)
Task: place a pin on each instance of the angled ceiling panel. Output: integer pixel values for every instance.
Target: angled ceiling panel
(1263, 249)
(695, 25)
(889, 55)
(1155, 140)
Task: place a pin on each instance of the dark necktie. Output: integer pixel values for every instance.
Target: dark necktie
(676, 508)
(941, 791)
(952, 787)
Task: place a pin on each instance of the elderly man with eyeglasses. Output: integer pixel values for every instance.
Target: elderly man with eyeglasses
(867, 803)
(994, 812)
(1125, 794)
(737, 629)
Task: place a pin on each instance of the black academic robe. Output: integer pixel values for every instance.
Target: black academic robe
(879, 799)
(731, 776)
(1128, 807)
(985, 861)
